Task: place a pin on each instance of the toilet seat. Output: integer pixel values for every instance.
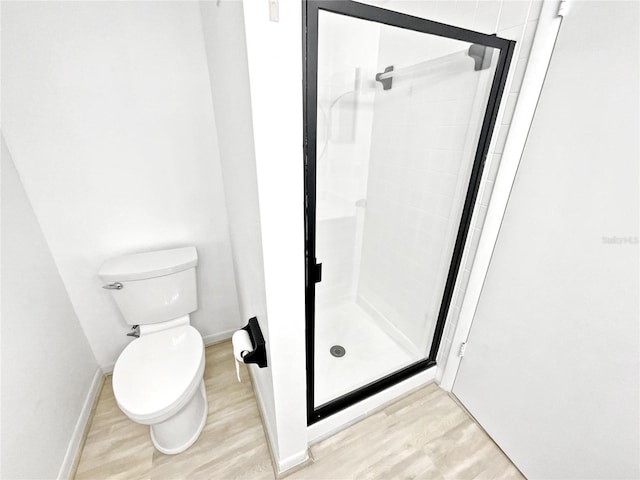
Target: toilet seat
(157, 374)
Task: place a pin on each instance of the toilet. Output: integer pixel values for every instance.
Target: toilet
(158, 378)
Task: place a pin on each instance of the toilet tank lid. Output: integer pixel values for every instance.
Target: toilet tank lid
(139, 266)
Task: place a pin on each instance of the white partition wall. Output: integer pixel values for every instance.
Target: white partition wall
(49, 373)
(551, 369)
(275, 77)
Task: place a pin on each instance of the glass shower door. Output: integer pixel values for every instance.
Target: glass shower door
(398, 122)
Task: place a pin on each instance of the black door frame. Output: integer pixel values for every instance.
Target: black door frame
(354, 9)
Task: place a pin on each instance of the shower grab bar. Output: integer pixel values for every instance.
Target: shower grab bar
(478, 53)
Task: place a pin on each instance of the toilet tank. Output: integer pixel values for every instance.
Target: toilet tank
(155, 286)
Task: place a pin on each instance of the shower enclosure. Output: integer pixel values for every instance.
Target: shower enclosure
(399, 113)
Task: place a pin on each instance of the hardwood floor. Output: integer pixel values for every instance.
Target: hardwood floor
(424, 435)
(232, 444)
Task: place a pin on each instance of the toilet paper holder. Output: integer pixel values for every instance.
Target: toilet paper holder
(259, 353)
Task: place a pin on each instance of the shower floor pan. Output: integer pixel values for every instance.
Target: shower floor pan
(369, 352)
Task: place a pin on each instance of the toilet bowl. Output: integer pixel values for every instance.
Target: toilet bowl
(158, 379)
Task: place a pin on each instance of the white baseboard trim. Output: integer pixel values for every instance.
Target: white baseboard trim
(261, 408)
(281, 467)
(292, 463)
(77, 437)
(353, 414)
(218, 337)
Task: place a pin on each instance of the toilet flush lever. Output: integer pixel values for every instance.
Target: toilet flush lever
(135, 331)
(113, 286)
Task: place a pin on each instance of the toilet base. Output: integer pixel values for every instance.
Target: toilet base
(180, 431)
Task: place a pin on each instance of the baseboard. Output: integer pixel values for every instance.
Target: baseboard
(218, 337)
(268, 437)
(289, 465)
(292, 464)
(72, 455)
(108, 369)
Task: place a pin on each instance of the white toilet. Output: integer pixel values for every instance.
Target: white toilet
(158, 378)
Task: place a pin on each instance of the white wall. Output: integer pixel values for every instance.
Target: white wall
(108, 112)
(225, 44)
(551, 368)
(275, 72)
(47, 364)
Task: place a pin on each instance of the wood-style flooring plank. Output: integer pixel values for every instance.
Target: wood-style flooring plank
(231, 445)
(424, 435)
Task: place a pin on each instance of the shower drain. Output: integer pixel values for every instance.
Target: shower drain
(337, 351)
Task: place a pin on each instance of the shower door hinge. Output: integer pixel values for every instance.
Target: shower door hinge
(563, 8)
(463, 347)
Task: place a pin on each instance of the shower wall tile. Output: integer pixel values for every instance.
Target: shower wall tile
(415, 170)
(474, 238)
(465, 13)
(334, 237)
(447, 12)
(344, 130)
(424, 8)
(501, 137)
(464, 275)
(410, 191)
(492, 165)
(445, 346)
(414, 163)
(510, 106)
(518, 75)
(482, 214)
(527, 39)
(446, 343)
(513, 13)
(485, 195)
(513, 33)
(517, 21)
(487, 14)
(536, 8)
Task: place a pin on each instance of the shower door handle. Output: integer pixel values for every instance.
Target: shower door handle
(317, 276)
